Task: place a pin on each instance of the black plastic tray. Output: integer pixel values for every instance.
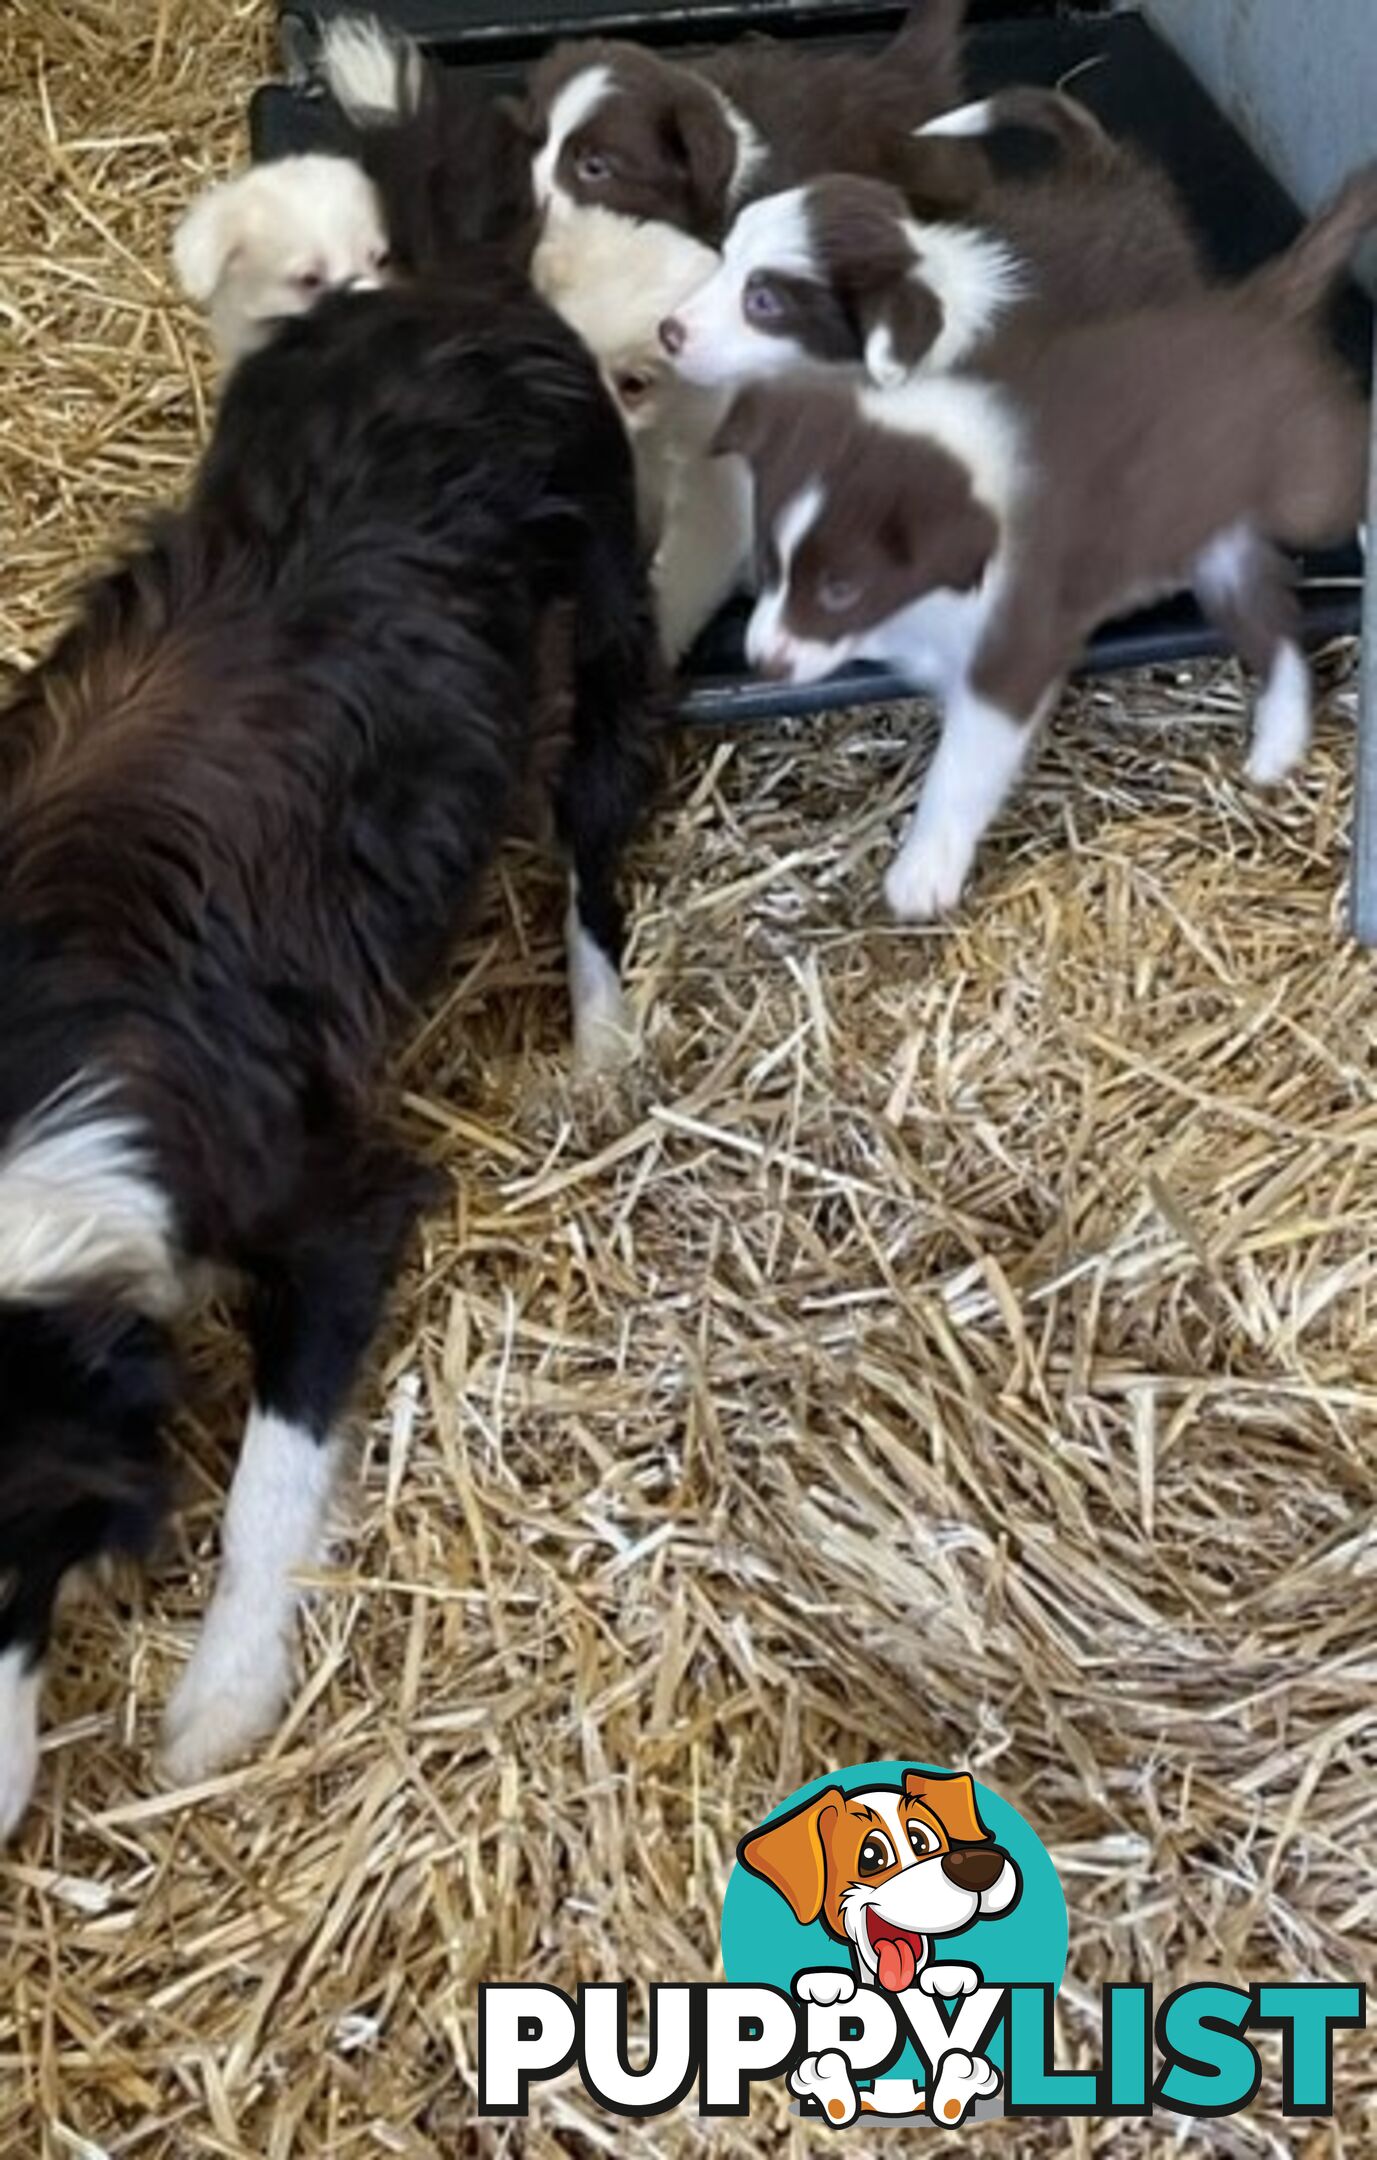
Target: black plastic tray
(1128, 76)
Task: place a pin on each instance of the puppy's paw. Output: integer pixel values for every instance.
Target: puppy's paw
(604, 1039)
(1281, 721)
(826, 2078)
(218, 1713)
(949, 1981)
(961, 2080)
(926, 881)
(828, 1985)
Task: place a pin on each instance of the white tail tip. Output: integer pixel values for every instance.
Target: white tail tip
(370, 71)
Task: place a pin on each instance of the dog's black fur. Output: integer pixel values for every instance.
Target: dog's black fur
(243, 807)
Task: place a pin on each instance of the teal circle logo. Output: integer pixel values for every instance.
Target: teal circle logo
(912, 1880)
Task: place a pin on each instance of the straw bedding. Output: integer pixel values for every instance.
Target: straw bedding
(956, 1344)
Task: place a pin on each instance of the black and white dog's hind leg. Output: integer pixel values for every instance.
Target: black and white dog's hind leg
(84, 1389)
(608, 779)
(1245, 587)
(316, 1299)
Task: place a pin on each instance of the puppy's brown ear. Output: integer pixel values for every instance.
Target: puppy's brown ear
(700, 139)
(900, 322)
(742, 431)
(523, 115)
(947, 540)
(952, 1800)
(791, 1854)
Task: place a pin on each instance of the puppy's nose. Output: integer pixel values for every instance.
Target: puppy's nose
(973, 1867)
(673, 336)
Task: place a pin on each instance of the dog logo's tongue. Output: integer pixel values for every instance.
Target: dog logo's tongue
(899, 1954)
(897, 1966)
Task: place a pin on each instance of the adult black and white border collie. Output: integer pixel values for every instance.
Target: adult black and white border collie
(243, 807)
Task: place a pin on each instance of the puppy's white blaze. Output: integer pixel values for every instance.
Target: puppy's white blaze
(239, 1676)
(720, 344)
(977, 761)
(571, 106)
(370, 71)
(79, 1203)
(975, 277)
(766, 635)
(961, 2080)
(971, 420)
(976, 119)
(772, 234)
(1281, 722)
(603, 1035)
(20, 1685)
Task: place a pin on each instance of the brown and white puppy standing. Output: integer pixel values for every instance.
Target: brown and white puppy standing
(842, 272)
(974, 530)
(613, 279)
(616, 125)
(270, 243)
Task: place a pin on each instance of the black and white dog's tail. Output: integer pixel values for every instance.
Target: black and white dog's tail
(1071, 125)
(374, 74)
(450, 166)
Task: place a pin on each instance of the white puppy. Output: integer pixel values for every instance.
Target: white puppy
(614, 279)
(270, 242)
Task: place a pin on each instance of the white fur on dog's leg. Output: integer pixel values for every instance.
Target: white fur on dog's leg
(1281, 722)
(20, 1686)
(978, 759)
(603, 1037)
(961, 2080)
(236, 1685)
(827, 2079)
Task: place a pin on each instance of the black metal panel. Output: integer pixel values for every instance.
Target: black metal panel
(1134, 82)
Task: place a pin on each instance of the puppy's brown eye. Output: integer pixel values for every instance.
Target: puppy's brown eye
(837, 594)
(634, 389)
(593, 167)
(923, 1838)
(761, 300)
(876, 1853)
(309, 281)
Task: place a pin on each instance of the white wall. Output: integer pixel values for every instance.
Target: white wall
(1297, 77)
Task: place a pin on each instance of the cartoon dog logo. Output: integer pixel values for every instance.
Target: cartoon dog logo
(889, 1870)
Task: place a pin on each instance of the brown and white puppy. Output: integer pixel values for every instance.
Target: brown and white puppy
(889, 1871)
(973, 531)
(273, 241)
(841, 272)
(613, 124)
(613, 279)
